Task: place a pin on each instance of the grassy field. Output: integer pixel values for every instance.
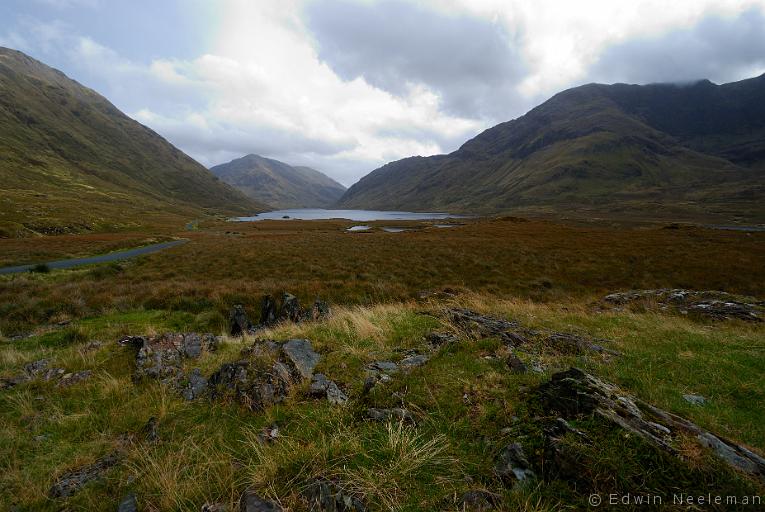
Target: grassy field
(467, 403)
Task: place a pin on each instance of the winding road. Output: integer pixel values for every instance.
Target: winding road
(103, 258)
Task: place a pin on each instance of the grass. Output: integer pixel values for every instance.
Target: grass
(229, 263)
(467, 405)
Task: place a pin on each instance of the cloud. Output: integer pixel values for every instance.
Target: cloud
(471, 62)
(719, 49)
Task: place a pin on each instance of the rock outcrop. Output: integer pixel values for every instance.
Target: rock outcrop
(707, 304)
(72, 481)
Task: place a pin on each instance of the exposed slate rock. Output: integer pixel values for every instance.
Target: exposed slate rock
(321, 386)
(252, 502)
(512, 466)
(290, 308)
(326, 495)
(267, 311)
(437, 339)
(567, 343)
(239, 323)
(574, 393)
(69, 483)
(516, 365)
(195, 385)
(388, 367)
(320, 310)
(128, 504)
(477, 501)
(70, 379)
(160, 357)
(414, 361)
(481, 325)
(695, 399)
(708, 304)
(302, 356)
(396, 413)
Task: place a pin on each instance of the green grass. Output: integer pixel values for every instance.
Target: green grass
(467, 404)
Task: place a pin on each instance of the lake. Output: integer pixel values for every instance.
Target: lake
(354, 215)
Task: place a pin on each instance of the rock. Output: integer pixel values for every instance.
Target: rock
(92, 345)
(72, 481)
(36, 368)
(477, 501)
(516, 365)
(160, 357)
(383, 367)
(414, 361)
(150, 430)
(239, 323)
(268, 434)
(328, 496)
(71, 379)
(214, 507)
(395, 413)
(574, 393)
(290, 308)
(320, 310)
(512, 465)
(302, 356)
(714, 305)
(325, 388)
(483, 325)
(695, 399)
(267, 311)
(195, 385)
(128, 504)
(438, 339)
(566, 343)
(252, 502)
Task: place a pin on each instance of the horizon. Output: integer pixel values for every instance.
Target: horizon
(298, 83)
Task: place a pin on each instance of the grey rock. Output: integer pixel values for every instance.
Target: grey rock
(326, 495)
(160, 357)
(414, 361)
(516, 365)
(477, 501)
(36, 368)
(238, 321)
(383, 366)
(319, 385)
(128, 504)
(320, 310)
(396, 413)
(195, 386)
(323, 387)
(290, 308)
(714, 305)
(267, 311)
(438, 339)
(695, 399)
(252, 502)
(71, 379)
(268, 434)
(512, 465)
(481, 325)
(335, 395)
(72, 481)
(302, 356)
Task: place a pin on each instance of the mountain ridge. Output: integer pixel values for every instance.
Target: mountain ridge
(72, 161)
(595, 149)
(279, 184)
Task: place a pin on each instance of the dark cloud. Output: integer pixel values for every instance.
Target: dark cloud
(472, 63)
(719, 49)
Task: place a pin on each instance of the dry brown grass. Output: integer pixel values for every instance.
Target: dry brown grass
(535, 260)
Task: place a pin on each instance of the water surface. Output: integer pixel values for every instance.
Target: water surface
(354, 215)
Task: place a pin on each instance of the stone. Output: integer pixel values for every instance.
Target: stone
(383, 367)
(319, 385)
(516, 365)
(160, 357)
(396, 413)
(290, 308)
(414, 361)
(268, 434)
(438, 339)
(252, 502)
(150, 430)
(482, 325)
(72, 481)
(71, 379)
(566, 343)
(695, 399)
(329, 496)
(320, 310)
(477, 501)
(195, 386)
(128, 504)
(214, 507)
(512, 465)
(36, 368)
(239, 323)
(267, 311)
(325, 388)
(301, 354)
(714, 305)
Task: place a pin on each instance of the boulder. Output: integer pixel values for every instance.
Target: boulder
(301, 354)
(329, 496)
(714, 305)
(128, 504)
(239, 323)
(160, 357)
(320, 310)
(251, 501)
(267, 311)
(437, 339)
(195, 385)
(72, 481)
(71, 379)
(512, 465)
(414, 360)
(325, 388)
(290, 308)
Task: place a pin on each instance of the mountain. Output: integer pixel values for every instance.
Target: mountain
(71, 161)
(278, 184)
(656, 150)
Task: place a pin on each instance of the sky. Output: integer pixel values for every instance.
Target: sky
(346, 86)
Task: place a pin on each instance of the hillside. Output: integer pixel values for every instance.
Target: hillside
(659, 150)
(278, 184)
(70, 161)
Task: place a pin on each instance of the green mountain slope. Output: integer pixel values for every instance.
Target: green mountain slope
(278, 184)
(657, 150)
(71, 161)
